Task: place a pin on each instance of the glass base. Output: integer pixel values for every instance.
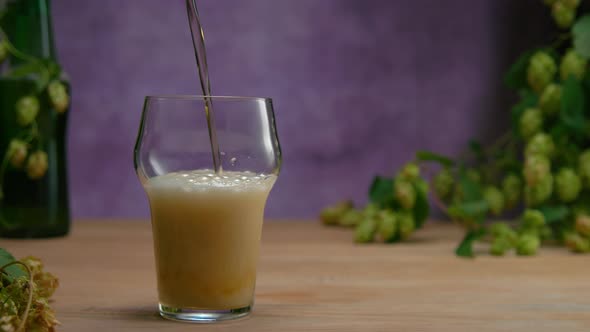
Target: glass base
(202, 315)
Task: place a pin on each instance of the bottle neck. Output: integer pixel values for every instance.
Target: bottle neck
(28, 26)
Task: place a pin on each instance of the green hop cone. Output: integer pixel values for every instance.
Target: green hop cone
(371, 210)
(512, 189)
(572, 64)
(503, 230)
(351, 218)
(495, 199)
(536, 168)
(17, 152)
(584, 168)
(568, 185)
(332, 214)
(527, 245)
(533, 219)
(3, 51)
(540, 144)
(406, 225)
(405, 193)
(443, 183)
(583, 224)
(27, 109)
(550, 100)
(576, 242)
(473, 175)
(58, 96)
(530, 122)
(500, 246)
(540, 71)
(422, 186)
(37, 165)
(365, 231)
(540, 192)
(563, 15)
(410, 172)
(387, 227)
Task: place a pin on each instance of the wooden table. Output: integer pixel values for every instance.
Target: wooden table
(313, 278)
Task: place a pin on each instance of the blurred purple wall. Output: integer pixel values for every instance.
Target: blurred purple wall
(358, 85)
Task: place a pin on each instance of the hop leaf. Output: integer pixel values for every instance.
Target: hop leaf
(550, 100)
(27, 109)
(572, 64)
(531, 122)
(540, 71)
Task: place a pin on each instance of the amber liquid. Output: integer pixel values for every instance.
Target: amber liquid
(207, 232)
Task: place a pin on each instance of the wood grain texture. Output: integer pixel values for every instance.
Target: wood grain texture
(314, 278)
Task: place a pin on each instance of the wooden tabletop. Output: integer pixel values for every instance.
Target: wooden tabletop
(313, 278)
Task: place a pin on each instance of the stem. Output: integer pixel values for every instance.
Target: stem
(14, 51)
(25, 315)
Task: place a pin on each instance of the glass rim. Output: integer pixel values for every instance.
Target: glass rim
(203, 97)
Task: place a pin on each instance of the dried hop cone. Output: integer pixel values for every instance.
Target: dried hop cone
(27, 109)
(37, 165)
(58, 96)
(17, 152)
(540, 71)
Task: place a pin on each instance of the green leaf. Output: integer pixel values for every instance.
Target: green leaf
(25, 70)
(421, 208)
(465, 248)
(476, 149)
(572, 105)
(470, 189)
(527, 99)
(430, 156)
(381, 191)
(13, 271)
(472, 211)
(581, 36)
(554, 213)
(515, 78)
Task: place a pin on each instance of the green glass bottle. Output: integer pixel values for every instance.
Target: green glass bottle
(34, 104)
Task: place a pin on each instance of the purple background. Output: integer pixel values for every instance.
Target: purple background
(358, 85)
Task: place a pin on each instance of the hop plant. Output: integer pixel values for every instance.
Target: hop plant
(583, 225)
(539, 192)
(568, 185)
(584, 168)
(572, 64)
(495, 199)
(550, 100)
(388, 225)
(562, 14)
(536, 168)
(410, 172)
(17, 152)
(37, 165)
(511, 189)
(443, 182)
(540, 71)
(331, 215)
(531, 122)
(405, 193)
(365, 231)
(540, 144)
(3, 51)
(58, 96)
(527, 245)
(27, 109)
